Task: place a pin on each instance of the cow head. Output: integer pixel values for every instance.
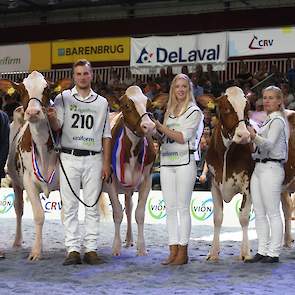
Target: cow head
(35, 93)
(133, 105)
(233, 110)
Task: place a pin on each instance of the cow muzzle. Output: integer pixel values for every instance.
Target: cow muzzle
(34, 111)
(147, 125)
(242, 135)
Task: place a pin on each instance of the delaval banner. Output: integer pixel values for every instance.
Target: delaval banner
(25, 57)
(158, 51)
(262, 42)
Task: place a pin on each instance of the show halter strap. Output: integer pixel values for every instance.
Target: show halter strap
(36, 168)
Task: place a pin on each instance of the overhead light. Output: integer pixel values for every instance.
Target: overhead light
(12, 4)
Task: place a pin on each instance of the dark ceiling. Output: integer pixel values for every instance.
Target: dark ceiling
(17, 6)
(37, 20)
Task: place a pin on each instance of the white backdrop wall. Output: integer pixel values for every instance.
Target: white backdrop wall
(155, 213)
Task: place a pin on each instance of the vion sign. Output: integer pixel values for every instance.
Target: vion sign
(177, 50)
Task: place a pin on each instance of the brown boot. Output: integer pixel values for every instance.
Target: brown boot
(181, 257)
(173, 253)
(73, 258)
(92, 258)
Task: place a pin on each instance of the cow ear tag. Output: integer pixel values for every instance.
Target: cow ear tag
(57, 88)
(10, 91)
(210, 105)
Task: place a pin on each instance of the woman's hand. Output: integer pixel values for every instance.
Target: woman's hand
(159, 126)
(202, 178)
(252, 132)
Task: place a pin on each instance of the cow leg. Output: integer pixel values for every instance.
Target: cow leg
(139, 214)
(218, 218)
(128, 211)
(287, 209)
(38, 214)
(244, 221)
(19, 210)
(117, 217)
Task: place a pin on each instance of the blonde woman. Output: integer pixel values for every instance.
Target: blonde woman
(178, 167)
(271, 152)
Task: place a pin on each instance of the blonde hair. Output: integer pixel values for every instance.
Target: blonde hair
(172, 101)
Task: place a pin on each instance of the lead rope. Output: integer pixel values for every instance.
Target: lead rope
(57, 149)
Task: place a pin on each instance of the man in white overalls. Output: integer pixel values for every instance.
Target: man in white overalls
(83, 117)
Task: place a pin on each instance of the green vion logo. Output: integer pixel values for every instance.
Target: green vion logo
(238, 209)
(156, 207)
(73, 107)
(202, 210)
(6, 203)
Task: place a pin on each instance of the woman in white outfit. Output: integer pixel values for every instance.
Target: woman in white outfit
(178, 167)
(271, 152)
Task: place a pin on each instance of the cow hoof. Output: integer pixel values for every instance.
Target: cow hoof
(242, 257)
(246, 257)
(17, 245)
(129, 244)
(116, 252)
(34, 257)
(141, 253)
(213, 258)
(288, 244)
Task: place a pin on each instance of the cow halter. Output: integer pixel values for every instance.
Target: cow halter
(56, 147)
(229, 134)
(139, 121)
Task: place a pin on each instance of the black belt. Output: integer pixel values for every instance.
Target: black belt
(191, 152)
(79, 153)
(268, 160)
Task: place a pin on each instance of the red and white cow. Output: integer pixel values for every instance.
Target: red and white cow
(230, 162)
(132, 160)
(32, 161)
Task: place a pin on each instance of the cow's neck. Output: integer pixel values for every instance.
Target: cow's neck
(133, 138)
(40, 136)
(226, 141)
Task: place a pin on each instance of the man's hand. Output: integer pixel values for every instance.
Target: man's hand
(106, 172)
(52, 117)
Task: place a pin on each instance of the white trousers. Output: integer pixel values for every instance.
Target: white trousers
(177, 184)
(266, 186)
(86, 170)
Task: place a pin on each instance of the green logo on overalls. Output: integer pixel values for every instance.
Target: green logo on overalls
(73, 107)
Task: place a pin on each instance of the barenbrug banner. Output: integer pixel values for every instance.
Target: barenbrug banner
(262, 42)
(158, 51)
(95, 50)
(25, 57)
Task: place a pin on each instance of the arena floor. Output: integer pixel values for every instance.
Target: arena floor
(129, 274)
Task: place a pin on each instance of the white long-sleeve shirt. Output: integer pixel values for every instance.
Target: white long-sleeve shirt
(272, 138)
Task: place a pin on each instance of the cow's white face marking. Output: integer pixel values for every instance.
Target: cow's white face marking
(35, 85)
(140, 101)
(237, 99)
